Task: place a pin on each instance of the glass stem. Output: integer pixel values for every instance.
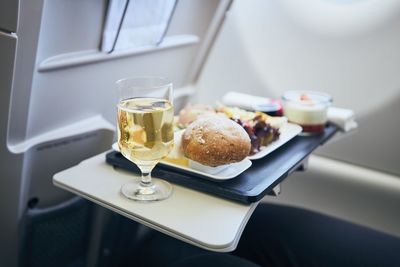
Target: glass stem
(146, 179)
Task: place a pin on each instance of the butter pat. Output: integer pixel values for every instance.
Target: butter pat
(177, 151)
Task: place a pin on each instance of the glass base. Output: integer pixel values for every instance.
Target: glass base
(158, 190)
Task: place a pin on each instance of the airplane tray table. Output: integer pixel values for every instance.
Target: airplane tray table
(197, 218)
(202, 219)
(253, 184)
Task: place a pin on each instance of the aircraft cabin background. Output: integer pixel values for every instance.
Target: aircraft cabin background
(57, 103)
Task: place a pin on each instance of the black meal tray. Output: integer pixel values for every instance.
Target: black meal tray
(254, 183)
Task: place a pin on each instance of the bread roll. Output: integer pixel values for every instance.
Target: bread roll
(215, 141)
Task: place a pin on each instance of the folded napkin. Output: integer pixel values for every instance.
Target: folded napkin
(134, 23)
(342, 118)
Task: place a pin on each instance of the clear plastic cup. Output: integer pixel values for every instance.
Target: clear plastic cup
(307, 109)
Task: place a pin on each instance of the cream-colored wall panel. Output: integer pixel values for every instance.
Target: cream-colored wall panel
(267, 47)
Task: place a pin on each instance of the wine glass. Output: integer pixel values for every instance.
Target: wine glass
(145, 132)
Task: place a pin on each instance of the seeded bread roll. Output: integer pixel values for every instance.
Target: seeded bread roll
(215, 141)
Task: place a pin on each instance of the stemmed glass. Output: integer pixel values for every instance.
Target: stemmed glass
(145, 132)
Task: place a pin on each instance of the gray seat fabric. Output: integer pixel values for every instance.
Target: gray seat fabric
(214, 260)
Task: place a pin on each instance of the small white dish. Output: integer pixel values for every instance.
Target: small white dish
(287, 132)
(231, 171)
(207, 169)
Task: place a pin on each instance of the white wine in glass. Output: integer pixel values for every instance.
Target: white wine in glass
(145, 133)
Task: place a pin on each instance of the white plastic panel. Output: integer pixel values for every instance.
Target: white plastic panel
(9, 15)
(73, 81)
(42, 162)
(70, 26)
(267, 47)
(9, 185)
(28, 36)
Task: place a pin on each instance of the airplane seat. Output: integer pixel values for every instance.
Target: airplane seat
(282, 235)
(276, 235)
(214, 260)
(119, 241)
(129, 244)
(59, 104)
(57, 235)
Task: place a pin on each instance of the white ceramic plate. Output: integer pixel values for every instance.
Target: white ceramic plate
(230, 172)
(288, 131)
